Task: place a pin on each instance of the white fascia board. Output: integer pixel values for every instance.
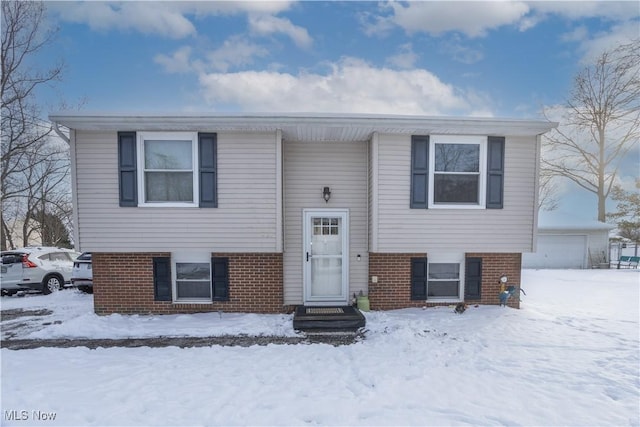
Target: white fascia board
(352, 126)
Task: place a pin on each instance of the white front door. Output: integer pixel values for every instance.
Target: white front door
(326, 256)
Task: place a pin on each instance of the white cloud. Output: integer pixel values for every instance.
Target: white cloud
(474, 19)
(477, 18)
(404, 59)
(202, 8)
(351, 85)
(461, 53)
(579, 33)
(178, 62)
(269, 24)
(622, 33)
(611, 10)
(163, 18)
(235, 51)
(168, 18)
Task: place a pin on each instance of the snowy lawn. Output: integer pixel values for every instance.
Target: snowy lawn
(570, 356)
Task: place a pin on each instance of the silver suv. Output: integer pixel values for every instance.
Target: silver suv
(42, 268)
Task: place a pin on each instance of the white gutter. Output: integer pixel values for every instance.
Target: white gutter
(338, 127)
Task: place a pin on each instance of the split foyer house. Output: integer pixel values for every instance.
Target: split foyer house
(264, 212)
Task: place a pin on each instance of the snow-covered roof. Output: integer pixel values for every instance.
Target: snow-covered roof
(304, 126)
(557, 221)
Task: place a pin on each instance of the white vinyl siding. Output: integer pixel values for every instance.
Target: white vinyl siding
(401, 229)
(245, 220)
(308, 167)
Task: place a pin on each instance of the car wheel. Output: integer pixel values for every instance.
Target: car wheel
(51, 283)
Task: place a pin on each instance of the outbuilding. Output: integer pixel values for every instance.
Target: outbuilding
(568, 242)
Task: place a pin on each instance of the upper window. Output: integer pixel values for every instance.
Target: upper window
(457, 171)
(166, 171)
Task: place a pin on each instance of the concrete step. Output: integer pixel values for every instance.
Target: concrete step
(328, 319)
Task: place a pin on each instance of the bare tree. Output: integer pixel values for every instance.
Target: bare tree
(627, 215)
(24, 134)
(600, 123)
(47, 189)
(548, 192)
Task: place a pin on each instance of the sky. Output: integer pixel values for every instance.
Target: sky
(500, 59)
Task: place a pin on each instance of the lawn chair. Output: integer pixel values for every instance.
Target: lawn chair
(633, 262)
(628, 262)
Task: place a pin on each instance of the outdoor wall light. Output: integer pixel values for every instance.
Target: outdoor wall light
(326, 194)
(358, 257)
(503, 279)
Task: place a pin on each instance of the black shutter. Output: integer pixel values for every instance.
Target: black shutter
(419, 171)
(473, 278)
(127, 165)
(207, 170)
(220, 278)
(495, 172)
(162, 278)
(418, 278)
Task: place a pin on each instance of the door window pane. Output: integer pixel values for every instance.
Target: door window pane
(326, 239)
(326, 276)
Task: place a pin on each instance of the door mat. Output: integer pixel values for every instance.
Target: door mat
(324, 310)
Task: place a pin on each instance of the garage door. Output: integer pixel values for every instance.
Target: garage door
(558, 251)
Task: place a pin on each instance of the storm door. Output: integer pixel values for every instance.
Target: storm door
(326, 256)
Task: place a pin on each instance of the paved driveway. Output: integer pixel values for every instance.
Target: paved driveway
(16, 323)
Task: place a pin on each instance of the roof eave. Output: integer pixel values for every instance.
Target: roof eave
(357, 125)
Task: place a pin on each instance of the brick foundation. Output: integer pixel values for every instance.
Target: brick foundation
(393, 289)
(495, 265)
(123, 283)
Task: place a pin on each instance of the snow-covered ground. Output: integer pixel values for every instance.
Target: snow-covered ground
(570, 356)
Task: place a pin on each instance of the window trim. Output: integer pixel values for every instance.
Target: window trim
(439, 258)
(482, 170)
(193, 137)
(190, 257)
(448, 258)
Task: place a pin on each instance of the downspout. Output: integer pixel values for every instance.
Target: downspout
(536, 195)
(57, 130)
(74, 192)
